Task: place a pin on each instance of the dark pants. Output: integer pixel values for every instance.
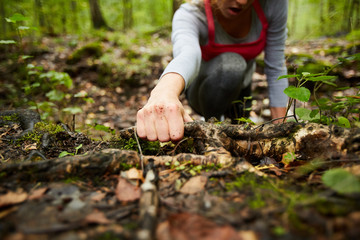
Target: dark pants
(222, 81)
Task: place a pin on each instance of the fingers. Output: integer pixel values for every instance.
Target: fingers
(163, 122)
(187, 117)
(140, 125)
(175, 121)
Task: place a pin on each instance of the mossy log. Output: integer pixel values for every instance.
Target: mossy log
(227, 145)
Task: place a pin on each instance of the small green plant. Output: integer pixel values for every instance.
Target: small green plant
(66, 153)
(16, 19)
(337, 111)
(341, 181)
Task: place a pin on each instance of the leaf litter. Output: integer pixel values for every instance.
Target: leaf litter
(292, 199)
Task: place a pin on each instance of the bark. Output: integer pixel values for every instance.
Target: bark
(293, 25)
(322, 20)
(128, 20)
(73, 6)
(3, 15)
(40, 14)
(97, 18)
(175, 5)
(228, 145)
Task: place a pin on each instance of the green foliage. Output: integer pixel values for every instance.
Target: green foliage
(56, 86)
(299, 93)
(341, 181)
(94, 50)
(40, 129)
(338, 111)
(66, 153)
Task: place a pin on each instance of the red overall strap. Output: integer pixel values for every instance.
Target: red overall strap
(247, 50)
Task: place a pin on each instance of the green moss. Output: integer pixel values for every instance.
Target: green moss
(11, 118)
(72, 179)
(90, 50)
(317, 67)
(335, 50)
(40, 129)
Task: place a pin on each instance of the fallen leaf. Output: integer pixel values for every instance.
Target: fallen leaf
(98, 196)
(248, 235)
(186, 226)
(125, 191)
(194, 185)
(30, 147)
(12, 198)
(97, 217)
(134, 173)
(37, 193)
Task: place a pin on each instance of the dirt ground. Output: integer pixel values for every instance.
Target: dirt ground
(98, 190)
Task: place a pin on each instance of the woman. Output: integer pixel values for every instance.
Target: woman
(215, 43)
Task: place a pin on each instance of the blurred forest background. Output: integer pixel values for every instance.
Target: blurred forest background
(99, 59)
(307, 18)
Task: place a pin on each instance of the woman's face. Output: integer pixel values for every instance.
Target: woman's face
(233, 8)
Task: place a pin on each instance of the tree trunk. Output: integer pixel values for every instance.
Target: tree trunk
(73, 6)
(223, 144)
(3, 15)
(293, 24)
(97, 18)
(127, 14)
(175, 5)
(357, 17)
(346, 16)
(322, 21)
(40, 14)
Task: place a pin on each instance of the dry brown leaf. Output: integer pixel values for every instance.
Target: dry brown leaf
(248, 235)
(125, 191)
(12, 198)
(186, 226)
(194, 185)
(37, 193)
(134, 173)
(98, 196)
(30, 147)
(97, 217)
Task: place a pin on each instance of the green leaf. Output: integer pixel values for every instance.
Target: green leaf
(341, 181)
(26, 57)
(73, 110)
(307, 114)
(24, 28)
(302, 94)
(344, 122)
(314, 114)
(288, 76)
(17, 17)
(55, 95)
(65, 153)
(322, 78)
(100, 127)
(289, 157)
(7, 42)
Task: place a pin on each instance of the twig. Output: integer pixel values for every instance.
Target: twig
(272, 120)
(140, 151)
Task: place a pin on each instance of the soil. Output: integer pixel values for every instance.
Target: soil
(99, 190)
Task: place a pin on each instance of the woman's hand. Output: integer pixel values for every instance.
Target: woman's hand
(163, 116)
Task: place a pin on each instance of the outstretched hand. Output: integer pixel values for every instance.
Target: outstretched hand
(163, 117)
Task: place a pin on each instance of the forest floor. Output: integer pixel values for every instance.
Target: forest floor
(97, 191)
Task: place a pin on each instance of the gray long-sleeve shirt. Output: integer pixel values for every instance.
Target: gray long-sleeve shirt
(190, 30)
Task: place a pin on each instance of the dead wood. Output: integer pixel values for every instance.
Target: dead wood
(223, 144)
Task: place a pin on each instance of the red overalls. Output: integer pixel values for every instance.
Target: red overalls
(246, 50)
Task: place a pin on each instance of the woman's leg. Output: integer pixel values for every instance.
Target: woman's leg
(220, 82)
